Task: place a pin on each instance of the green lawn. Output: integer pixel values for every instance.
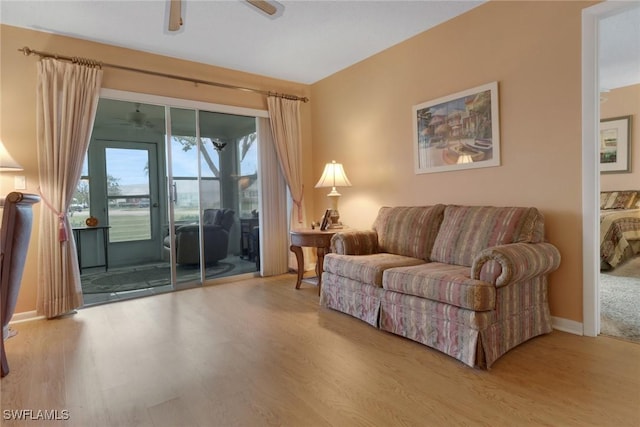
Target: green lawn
(125, 226)
(130, 224)
(129, 227)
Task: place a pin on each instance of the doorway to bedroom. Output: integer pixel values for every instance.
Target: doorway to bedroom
(176, 190)
(619, 177)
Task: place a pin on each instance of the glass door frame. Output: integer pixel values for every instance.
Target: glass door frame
(172, 193)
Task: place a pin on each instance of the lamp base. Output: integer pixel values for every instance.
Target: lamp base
(334, 218)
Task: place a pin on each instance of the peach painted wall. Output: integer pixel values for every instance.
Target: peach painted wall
(18, 100)
(624, 101)
(362, 117)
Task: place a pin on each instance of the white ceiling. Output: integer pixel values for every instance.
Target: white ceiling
(620, 49)
(310, 40)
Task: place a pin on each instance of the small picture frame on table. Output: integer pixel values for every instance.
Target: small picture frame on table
(325, 220)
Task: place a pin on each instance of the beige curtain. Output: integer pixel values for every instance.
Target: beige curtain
(274, 228)
(284, 115)
(67, 98)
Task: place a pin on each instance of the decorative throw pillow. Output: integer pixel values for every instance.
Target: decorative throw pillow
(604, 198)
(619, 200)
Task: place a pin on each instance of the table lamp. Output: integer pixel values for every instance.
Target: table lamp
(334, 176)
(7, 163)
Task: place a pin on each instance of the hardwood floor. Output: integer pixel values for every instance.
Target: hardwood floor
(258, 352)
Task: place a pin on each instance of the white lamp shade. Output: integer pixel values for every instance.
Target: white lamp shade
(333, 176)
(7, 163)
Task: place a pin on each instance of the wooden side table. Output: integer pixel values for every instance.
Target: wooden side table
(321, 240)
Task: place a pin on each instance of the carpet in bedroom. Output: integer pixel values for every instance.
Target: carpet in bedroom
(620, 301)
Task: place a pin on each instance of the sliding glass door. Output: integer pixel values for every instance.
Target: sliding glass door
(177, 187)
(212, 168)
(213, 173)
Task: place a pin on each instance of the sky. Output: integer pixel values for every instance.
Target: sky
(130, 165)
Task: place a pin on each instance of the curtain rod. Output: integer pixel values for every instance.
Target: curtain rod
(27, 52)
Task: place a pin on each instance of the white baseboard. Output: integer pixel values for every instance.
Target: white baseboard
(566, 325)
(25, 316)
(559, 323)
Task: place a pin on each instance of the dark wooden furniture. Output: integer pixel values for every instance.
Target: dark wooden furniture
(246, 237)
(254, 251)
(321, 240)
(17, 221)
(77, 234)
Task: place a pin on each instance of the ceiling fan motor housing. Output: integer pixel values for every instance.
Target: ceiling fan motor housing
(137, 117)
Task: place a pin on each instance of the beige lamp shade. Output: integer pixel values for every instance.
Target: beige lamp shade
(333, 176)
(7, 163)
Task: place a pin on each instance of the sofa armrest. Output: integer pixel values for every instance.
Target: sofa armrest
(515, 262)
(359, 242)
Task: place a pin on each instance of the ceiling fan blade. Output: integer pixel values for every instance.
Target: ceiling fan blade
(264, 6)
(175, 15)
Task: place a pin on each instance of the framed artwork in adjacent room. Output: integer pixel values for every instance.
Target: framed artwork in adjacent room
(459, 131)
(615, 145)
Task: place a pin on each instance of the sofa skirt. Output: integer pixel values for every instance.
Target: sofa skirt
(351, 297)
(449, 329)
(477, 339)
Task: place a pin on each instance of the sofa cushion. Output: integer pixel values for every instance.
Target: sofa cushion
(450, 284)
(401, 312)
(408, 231)
(467, 230)
(365, 268)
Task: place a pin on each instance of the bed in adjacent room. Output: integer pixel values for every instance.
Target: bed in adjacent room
(619, 227)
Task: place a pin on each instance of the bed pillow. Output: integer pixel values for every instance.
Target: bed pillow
(618, 199)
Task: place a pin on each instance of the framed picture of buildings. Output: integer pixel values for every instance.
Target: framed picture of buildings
(615, 145)
(459, 131)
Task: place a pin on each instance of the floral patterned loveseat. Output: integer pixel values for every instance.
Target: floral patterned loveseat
(470, 281)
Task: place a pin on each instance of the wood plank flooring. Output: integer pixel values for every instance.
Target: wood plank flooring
(258, 352)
